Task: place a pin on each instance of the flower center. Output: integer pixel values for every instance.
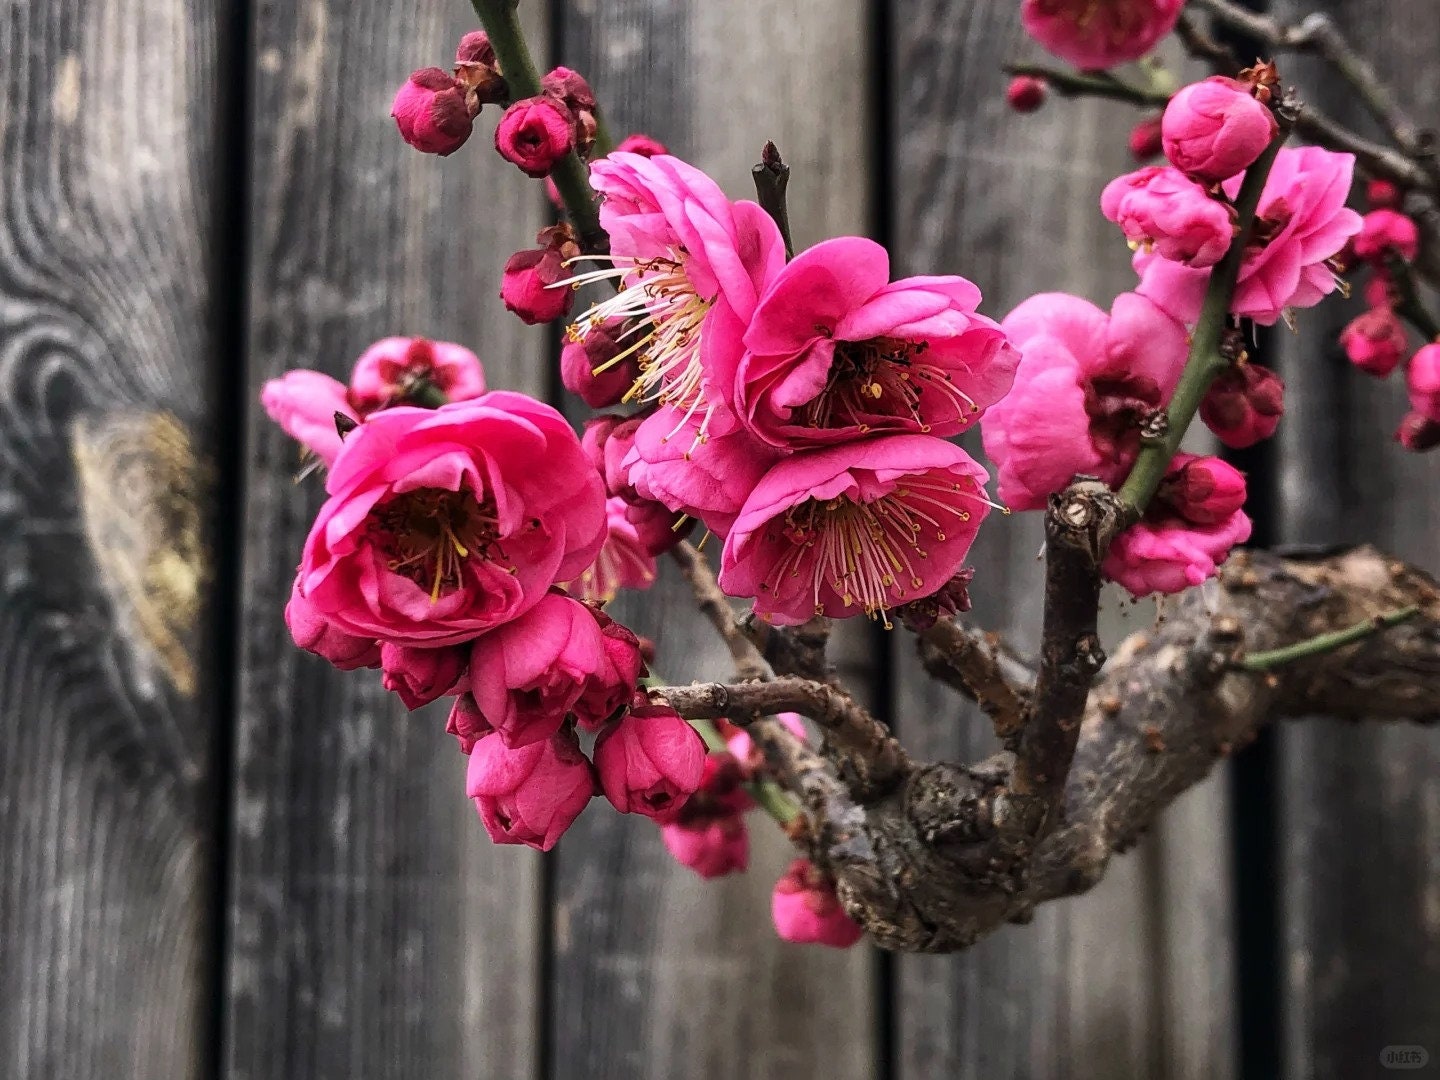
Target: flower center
(882, 376)
(666, 340)
(429, 535)
(1117, 406)
(867, 550)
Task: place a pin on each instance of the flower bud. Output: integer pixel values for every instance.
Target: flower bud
(1026, 93)
(431, 112)
(712, 847)
(1375, 342)
(570, 88)
(1383, 195)
(806, 910)
(1094, 36)
(466, 722)
(1384, 233)
(748, 754)
(657, 527)
(650, 762)
(419, 676)
(1162, 207)
(1145, 139)
(1244, 405)
(1422, 379)
(1215, 129)
(594, 369)
(535, 133)
(529, 795)
(475, 48)
(1203, 490)
(644, 145)
(531, 284)
(1418, 433)
(477, 70)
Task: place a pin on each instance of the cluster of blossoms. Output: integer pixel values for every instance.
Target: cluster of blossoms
(1377, 341)
(1090, 381)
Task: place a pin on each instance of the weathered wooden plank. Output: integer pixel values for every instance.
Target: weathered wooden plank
(107, 327)
(657, 973)
(1359, 806)
(374, 930)
(1091, 988)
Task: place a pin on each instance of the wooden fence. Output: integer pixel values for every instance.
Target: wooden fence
(219, 857)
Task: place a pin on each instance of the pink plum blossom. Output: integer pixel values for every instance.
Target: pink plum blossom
(1161, 207)
(1375, 342)
(1302, 225)
(535, 133)
(599, 368)
(388, 369)
(806, 910)
(442, 524)
(692, 263)
(531, 285)
(1085, 381)
(314, 633)
(530, 673)
(650, 762)
(529, 794)
(304, 404)
(624, 562)
(711, 846)
(432, 112)
(1216, 128)
(836, 351)
(1422, 379)
(1386, 232)
(857, 528)
(420, 676)
(1095, 34)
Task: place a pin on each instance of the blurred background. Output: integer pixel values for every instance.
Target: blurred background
(223, 858)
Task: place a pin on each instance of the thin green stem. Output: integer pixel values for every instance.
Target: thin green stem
(768, 795)
(425, 394)
(1091, 84)
(571, 175)
(1206, 359)
(1324, 643)
(772, 176)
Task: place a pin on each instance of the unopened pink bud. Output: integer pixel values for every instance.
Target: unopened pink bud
(1375, 342)
(475, 48)
(531, 284)
(467, 723)
(535, 133)
(1145, 143)
(1161, 207)
(1422, 379)
(593, 367)
(431, 112)
(1383, 195)
(712, 847)
(1094, 35)
(650, 762)
(1026, 93)
(1215, 129)
(1418, 433)
(1244, 405)
(806, 910)
(1384, 233)
(529, 795)
(1203, 490)
(419, 676)
(643, 145)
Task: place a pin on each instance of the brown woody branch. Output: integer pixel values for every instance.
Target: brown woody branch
(715, 606)
(948, 856)
(968, 661)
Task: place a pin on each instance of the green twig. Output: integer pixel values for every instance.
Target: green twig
(1324, 643)
(571, 175)
(1206, 359)
(768, 795)
(1091, 84)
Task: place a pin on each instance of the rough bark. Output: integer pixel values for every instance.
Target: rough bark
(951, 854)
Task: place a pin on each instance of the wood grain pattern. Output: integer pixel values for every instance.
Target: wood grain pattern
(1087, 990)
(693, 979)
(375, 931)
(1359, 809)
(106, 735)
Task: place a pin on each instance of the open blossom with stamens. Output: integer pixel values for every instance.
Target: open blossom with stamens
(836, 351)
(624, 562)
(1301, 226)
(1085, 383)
(304, 403)
(857, 528)
(442, 524)
(690, 261)
(1094, 34)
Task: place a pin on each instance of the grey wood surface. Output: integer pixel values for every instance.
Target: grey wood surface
(107, 315)
(1359, 810)
(1089, 988)
(374, 930)
(694, 980)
